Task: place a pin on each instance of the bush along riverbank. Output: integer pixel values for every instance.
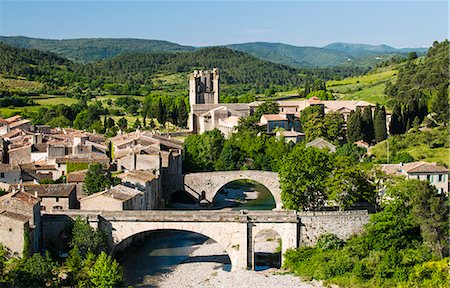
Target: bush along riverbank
(404, 245)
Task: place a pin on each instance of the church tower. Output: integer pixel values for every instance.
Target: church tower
(204, 87)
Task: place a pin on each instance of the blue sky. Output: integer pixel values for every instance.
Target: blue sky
(201, 23)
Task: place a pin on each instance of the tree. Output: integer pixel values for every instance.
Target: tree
(97, 179)
(137, 124)
(106, 272)
(380, 124)
(302, 178)
(110, 123)
(202, 151)
(85, 238)
(396, 125)
(412, 55)
(123, 124)
(314, 127)
(82, 121)
(439, 105)
(268, 107)
(355, 126)
(35, 271)
(368, 129)
(334, 126)
(160, 112)
(183, 114)
(60, 121)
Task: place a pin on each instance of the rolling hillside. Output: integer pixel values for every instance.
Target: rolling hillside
(92, 49)
(336, 54)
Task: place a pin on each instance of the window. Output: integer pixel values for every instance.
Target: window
(57, 207)
(2, 175)
(429, 178)
(441, 178)
(57, 199)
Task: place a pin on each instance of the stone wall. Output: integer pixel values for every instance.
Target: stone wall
(12, 235)
(343, 224)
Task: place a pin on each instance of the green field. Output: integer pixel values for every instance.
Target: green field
(429, 146)
(368, 87)
(19, 84)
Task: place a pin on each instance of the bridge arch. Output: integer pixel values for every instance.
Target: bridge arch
(231, 238)
(125, 243)
(205, 185)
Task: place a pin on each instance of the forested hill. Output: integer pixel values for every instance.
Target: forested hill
(336, 54)
(92, 49)
(138, 68)
(235, 67)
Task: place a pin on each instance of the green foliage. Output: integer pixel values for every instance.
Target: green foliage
(355, 127)
(394, 249)
(76, 166)
(379, 123)
(36, 271)
(86, 239)
(321, 94)
(201, 151)
(427, 145)
(329, 241)
(268, 107)
(97, 179)
(106, 272)
(26, 244)
(302, 176)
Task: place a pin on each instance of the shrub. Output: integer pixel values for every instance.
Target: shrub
(329, 241)
(431, 274)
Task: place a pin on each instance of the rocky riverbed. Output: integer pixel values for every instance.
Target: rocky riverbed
(203, 270)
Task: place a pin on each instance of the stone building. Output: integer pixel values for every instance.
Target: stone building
(53, 196)
(116, 198)
(434, 173)
(322, 144)
(146, 182)
(13, 227)
(28, 206)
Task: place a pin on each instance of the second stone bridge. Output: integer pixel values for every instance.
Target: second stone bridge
(204, 186)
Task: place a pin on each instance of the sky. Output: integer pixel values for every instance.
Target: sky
(206, 23)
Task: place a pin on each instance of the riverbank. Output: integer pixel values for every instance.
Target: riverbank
(201, 269)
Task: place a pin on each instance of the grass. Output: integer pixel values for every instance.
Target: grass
(418, 144)
(369, 87)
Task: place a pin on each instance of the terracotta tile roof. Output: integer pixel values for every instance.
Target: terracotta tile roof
(15, 216)
(274, 117)
(428, 168)
(18, 123)
(20, 196)
(9, 167)
(139, 175)
(291, 133)
(13, 119)
(76, 177)
(48, 190)
(120, 192)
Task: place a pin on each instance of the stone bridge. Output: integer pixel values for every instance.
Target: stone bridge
(204, 186)
(235, 231)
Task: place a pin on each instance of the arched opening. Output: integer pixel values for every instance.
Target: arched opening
(182, 198)
(244, 194)
(267, 247)
(148, 255)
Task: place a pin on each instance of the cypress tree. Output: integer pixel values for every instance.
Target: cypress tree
(439, 105)
(380, 124)
(160, 113)
(354, 126)
(396, 125)
(182, 114)
(367, 119)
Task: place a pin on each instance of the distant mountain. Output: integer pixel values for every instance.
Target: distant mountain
(336, 54)
(294, 56)
(92, 49)
(362, 50)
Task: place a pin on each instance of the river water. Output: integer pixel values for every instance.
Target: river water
(162, 250)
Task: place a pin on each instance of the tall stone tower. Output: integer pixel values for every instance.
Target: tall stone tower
(204, 87)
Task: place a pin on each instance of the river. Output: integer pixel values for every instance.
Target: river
(163, 250)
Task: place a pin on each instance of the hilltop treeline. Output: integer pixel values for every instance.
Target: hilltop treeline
(132, 72)
(421, 84)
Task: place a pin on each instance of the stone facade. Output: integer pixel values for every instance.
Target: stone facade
(13, 227)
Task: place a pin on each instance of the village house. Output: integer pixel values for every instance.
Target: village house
(434, 173)
(53, 196)
(284, 121)
(147, 151)
(290, 136)
(116, 198)
(146, 182)
(22, 217)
